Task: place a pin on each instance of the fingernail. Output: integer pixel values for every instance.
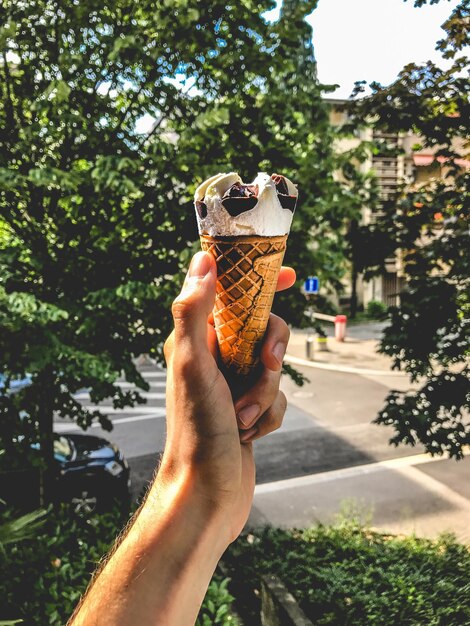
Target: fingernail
(200, 265)
(247, 434)
(248, 414)
(279, 351)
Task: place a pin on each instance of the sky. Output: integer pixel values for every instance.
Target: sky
(369, 40)
(372, 40)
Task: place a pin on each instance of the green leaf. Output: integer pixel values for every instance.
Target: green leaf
(7, 33)
(21, 528)
(62, 91)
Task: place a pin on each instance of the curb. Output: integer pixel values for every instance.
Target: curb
(345, 369)
(278, 605)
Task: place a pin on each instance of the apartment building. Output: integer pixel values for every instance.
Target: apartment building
(406, 165)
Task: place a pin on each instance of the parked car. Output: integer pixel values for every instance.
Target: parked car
(91, 472)
(15, 384)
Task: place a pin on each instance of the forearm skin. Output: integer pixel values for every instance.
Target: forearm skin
(159, 573)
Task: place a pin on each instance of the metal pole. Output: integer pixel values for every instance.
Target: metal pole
(310, 342)
(309, 347)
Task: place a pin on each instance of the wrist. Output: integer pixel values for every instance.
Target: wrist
(177, 499)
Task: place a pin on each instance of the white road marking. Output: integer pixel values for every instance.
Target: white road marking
(161, 374)
(440, 489)
(345, 369)
(130, 386)
(347, 472)
(140, 409)
(153, 395)
(123, 384)
(62, 427)
(149, 395)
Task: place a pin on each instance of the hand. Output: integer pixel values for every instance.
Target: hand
(208, 436)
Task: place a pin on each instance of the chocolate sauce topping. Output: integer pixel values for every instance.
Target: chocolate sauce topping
(240, 198)
(281, 184)
(285, 199)
(287, 202)
(201, 209)
(237, 206)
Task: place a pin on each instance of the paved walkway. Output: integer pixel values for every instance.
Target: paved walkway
(358, 351)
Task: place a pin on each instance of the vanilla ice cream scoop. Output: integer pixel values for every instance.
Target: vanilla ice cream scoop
(227, 207)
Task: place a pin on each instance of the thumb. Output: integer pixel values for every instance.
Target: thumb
(193, 305)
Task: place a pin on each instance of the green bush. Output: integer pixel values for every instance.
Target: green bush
(216, 608)
(376, 310)
(43, 576)
(349, 575)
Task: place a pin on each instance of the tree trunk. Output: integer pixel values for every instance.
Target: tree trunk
(353, 239)
(353, 303)
(45, 418)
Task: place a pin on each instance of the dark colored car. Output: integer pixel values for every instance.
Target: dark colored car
(91, 473)
(15, 384)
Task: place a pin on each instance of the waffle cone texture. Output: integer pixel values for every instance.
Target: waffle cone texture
(247, 272)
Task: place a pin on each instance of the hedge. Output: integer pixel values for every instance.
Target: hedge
(43, 576)
(351, 575)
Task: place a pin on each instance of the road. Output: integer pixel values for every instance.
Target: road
(327, 452)
(323, 429)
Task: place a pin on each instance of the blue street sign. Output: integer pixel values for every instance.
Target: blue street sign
(312, 285)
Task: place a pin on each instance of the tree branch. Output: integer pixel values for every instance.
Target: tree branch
(10, 109)
(159, 123)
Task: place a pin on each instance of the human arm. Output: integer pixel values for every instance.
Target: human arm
(202, 494)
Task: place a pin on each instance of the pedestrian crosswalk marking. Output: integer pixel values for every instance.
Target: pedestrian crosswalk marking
(157, 382)
(149, 395)
(64, 427)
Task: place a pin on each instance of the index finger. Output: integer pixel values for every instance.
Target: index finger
(286, 278)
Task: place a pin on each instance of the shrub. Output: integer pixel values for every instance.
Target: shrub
(376, 310)
(43, 576)
(349, 575)
(216, 608)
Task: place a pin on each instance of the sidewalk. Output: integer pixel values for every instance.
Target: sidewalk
(359, 350)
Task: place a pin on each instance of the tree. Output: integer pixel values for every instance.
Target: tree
(428, 225)
(363, 191)
(96, 217)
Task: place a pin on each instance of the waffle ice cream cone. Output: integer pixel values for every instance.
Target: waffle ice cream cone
(245, 228)
(247, 272)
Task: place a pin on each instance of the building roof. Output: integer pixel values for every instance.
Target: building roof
(423, 160)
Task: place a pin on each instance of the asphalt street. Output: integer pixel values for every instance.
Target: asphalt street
(327, 434)
(327, 426)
